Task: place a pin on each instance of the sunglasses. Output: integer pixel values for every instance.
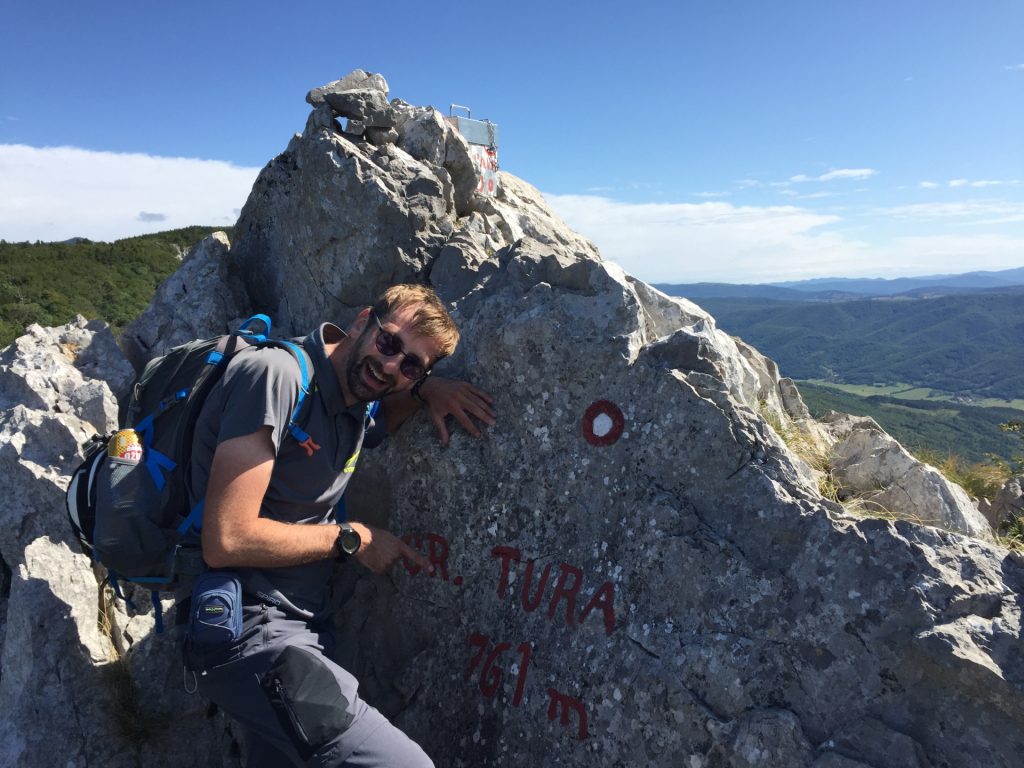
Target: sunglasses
(389, 345)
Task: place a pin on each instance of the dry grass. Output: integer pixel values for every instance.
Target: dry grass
(1011, 534)
(133, 720)
(981, 480)
(819, 457)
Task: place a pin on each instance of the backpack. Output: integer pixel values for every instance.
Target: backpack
(127, 501)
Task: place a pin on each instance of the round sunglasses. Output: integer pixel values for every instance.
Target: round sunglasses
(389, 345)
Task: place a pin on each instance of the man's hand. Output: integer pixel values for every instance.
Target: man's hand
(460, 399)
(379, 549)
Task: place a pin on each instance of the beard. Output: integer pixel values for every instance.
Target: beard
(364, 377)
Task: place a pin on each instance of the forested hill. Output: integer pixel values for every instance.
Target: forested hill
(968, 344)
(49, 283)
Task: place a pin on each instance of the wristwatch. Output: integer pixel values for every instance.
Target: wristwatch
(348, 541)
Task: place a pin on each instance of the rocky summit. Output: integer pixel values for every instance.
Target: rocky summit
(632, 568)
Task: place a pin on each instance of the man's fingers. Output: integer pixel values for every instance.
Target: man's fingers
(482, 410)
(481, 394)
(440, 426)
(411, 554)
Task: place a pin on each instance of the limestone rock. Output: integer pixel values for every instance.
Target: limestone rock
(321, 118)
(370, 107)
(76, 369)
(200, 300)
(427, 136)
(870, 463)
(59, 674)
(381, 136)
(1007, 505)
(357, 79)
(332, 222)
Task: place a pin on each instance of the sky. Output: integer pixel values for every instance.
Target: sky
(724, 141)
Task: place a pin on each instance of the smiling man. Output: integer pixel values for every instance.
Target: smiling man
(269, 522)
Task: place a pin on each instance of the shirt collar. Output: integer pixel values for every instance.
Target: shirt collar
(326, 377)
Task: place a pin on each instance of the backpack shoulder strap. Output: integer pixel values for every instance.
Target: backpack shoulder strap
(305, 388)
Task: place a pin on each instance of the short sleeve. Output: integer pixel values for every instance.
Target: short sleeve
(261, 388)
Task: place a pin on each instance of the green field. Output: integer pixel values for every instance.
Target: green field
(910, 392)
(939, 427)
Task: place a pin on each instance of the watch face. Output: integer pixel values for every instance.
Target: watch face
(349, 541)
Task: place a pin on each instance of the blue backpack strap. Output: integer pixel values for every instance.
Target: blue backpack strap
(154, 460)
(243, 329)
(194, 520)
(301, 436)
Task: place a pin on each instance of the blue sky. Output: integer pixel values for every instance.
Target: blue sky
(738, 142)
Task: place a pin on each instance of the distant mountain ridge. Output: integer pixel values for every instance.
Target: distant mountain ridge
(848, 289)
(970, 344)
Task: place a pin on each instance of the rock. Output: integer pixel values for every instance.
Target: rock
(76, 369)
(379, 136)
(357, 79)
(1007, 505)
(759, 738)
(354, 128)
(871, 464)
(875, 743)
(369, 107)
(202, 299)
(60, 670)
(427, 136)
(331, 223)
(321, 118)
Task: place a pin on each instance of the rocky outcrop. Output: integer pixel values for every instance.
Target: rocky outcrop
(203, 298)
(356, 80)
(64, 662)
(1007, 506)
(75, 370)
(870, 465)
(631, 568)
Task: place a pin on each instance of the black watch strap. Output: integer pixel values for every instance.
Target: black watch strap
(347, 541)
(416, 387)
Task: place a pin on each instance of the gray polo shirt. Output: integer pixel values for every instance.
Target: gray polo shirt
(260, 388)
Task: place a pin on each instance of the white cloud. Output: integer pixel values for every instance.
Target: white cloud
(710, 194)
(941, 254)
(838, 174)
(980, 183)
(928, 185)
(721, 242)
(716, 241)
(982, 212)
(56, 193)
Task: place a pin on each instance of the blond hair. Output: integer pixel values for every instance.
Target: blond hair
(430, 317)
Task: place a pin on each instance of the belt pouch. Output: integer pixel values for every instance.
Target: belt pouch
(216, 615)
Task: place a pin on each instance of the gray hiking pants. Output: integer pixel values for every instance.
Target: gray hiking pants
(297, 707)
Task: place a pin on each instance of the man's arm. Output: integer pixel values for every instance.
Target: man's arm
(444, 397)
(234, 534)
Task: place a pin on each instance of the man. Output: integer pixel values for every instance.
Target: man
(269, 517)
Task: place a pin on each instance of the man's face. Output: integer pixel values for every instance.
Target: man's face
(371, 375)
